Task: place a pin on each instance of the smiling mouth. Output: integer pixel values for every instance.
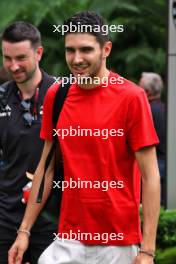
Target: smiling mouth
(17, 73)
(80, 67)
(79, 70)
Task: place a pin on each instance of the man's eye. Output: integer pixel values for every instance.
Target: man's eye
(69, 50)
(21, 58)
(87, 49)
(7, 58)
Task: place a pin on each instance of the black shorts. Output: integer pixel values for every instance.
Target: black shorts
(38, 243)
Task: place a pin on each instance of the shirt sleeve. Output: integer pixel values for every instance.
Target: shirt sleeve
(46, 131)
(140, 128)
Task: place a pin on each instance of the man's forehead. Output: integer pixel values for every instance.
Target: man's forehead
(80, 39)
(16, 46)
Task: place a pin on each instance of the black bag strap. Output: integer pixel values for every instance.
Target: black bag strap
(57, 108)
(59, 102)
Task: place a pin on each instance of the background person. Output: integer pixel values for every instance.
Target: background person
(152, 83)
(20, 121)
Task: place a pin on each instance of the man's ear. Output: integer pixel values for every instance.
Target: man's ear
(148, 93)
(39, 52)
(107, 49)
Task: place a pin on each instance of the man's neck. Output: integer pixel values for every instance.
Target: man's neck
(154, 97)
(28, 88)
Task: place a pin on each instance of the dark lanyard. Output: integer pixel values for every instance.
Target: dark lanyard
(35, 108)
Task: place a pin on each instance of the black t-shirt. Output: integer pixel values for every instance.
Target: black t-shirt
(21, 149)
(159, 118)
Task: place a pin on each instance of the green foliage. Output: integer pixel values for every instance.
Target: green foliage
(141, 47)
(168, 256)
(166, 235)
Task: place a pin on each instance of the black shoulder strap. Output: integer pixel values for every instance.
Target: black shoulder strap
(57, 108)
(59, 101)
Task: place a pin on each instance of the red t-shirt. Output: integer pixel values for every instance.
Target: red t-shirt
(94, 212)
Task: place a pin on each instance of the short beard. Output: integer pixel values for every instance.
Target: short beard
(97, 68)
(28, 76)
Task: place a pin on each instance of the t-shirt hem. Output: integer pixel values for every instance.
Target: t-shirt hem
(143, 145)
(110, 243)
(46, 138)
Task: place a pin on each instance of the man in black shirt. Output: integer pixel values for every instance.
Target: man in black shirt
(20, 118)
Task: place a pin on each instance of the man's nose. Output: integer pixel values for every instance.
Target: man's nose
(14, 66)
(78, 59)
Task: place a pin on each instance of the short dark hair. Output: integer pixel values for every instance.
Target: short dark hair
(20, 31)
(89, 18)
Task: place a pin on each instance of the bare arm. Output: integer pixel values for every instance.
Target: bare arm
(147, 162)
(33, 209)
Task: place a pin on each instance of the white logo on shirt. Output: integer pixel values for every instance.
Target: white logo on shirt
(6, 111)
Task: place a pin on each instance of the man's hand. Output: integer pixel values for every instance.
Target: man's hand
(15, 254)
(143, 259)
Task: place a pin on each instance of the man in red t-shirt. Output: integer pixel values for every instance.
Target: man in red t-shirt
(106, 135)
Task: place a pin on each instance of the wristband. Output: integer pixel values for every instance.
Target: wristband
(148, 253)
(24, 231)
